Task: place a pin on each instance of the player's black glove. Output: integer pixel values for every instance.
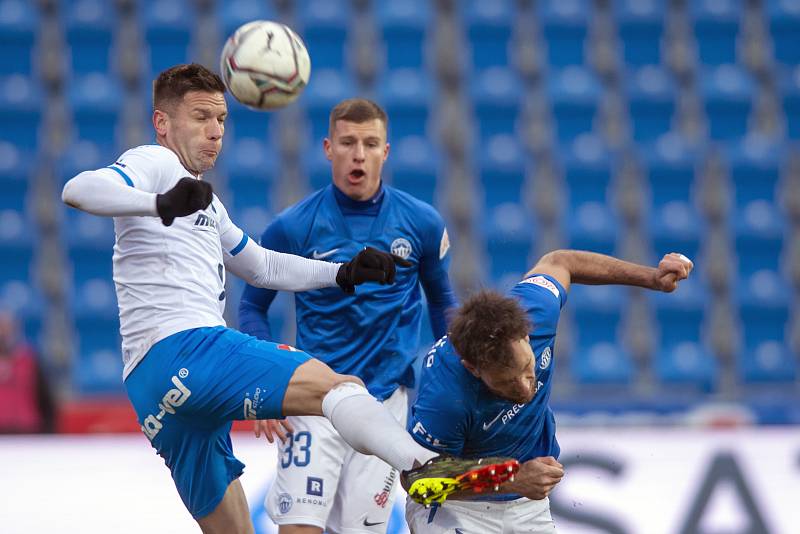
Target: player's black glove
(186, 197)
(369, 265)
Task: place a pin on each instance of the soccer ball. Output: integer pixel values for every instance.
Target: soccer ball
(265, 65)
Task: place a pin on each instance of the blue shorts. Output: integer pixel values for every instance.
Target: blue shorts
(188, 390)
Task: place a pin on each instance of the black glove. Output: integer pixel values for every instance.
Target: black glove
(369, 265)
(188, 196)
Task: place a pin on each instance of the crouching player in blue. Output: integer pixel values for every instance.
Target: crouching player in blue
(485, 390)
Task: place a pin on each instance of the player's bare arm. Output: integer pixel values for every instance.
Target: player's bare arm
(580, 267)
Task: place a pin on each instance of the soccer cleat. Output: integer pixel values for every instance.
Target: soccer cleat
(442, 476)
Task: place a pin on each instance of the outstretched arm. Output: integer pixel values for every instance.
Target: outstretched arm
(102, 193)
(580, 267)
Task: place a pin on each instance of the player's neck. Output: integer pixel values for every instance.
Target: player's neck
(350, 204)
(161, 141)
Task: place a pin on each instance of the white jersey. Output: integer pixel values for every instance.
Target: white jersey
(168, 278)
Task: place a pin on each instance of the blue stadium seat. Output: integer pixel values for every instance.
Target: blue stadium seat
(414, 163)
(676, 227)
(18, 239)
(687, 364)
(168, 26)
(25, 302)
(252, 220)
(496, 94)
(784, 26)
(651, 102)
(489, 28)
(403, 26)
(323, 26)
(21, 102)
(15, 169)
(597, 312)
(98, 366)
(587, 166)
(250, 165)
(759, 231)
(326, 88)
(728, 93)
(764, 299)
(574, 93)
(565, 28)
(670, 166)
(510, 230)
(768, 362)
(317, 167)
(641, 27)
(716, 26)
(406, 96)
(89, 28)
(603, 364)
(246, 123)
(234, 13)
(592, 226)
(90, 242)
(95, 102)
(81, 156)
(19, 23)
(789, 82)
(680, 314)
(755, 165)
(502, 170)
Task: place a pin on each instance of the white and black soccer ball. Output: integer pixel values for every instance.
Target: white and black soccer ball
(265, 65)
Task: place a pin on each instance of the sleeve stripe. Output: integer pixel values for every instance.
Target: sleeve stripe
(122, 173)
(240, 246)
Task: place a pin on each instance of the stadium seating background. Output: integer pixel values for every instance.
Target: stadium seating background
(633, 127)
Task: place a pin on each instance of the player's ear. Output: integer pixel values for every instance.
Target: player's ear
(471, 368)
(386, 152)
(326, 145)
(160, 119)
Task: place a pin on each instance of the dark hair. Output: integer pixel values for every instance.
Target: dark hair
(357, 110)
(484, 327)
(173, 83)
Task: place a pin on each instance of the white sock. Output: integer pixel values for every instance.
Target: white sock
(367, 426)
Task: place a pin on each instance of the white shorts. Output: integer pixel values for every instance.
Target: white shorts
(322, 481)
(481, 517)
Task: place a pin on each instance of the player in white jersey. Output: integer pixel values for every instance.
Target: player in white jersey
(187, 376)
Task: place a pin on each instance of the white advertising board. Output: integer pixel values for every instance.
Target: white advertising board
(637, 481)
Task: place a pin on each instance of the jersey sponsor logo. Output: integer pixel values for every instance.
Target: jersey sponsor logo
(314, 486)
(543, 282)
(284, 346)
(204, 222)
(284, 503)
(173, 399)
(419, 429)
(545, 358)
(382, 497)
(444, 244)
(251, 405)
(322, 255)
(401, 247)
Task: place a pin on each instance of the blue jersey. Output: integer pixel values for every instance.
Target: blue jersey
(455, 413)
(375, 334)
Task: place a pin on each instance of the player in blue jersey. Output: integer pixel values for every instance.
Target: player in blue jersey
(485, 388)
(375, 335)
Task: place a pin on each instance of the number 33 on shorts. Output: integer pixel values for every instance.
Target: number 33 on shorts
(297, 450)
